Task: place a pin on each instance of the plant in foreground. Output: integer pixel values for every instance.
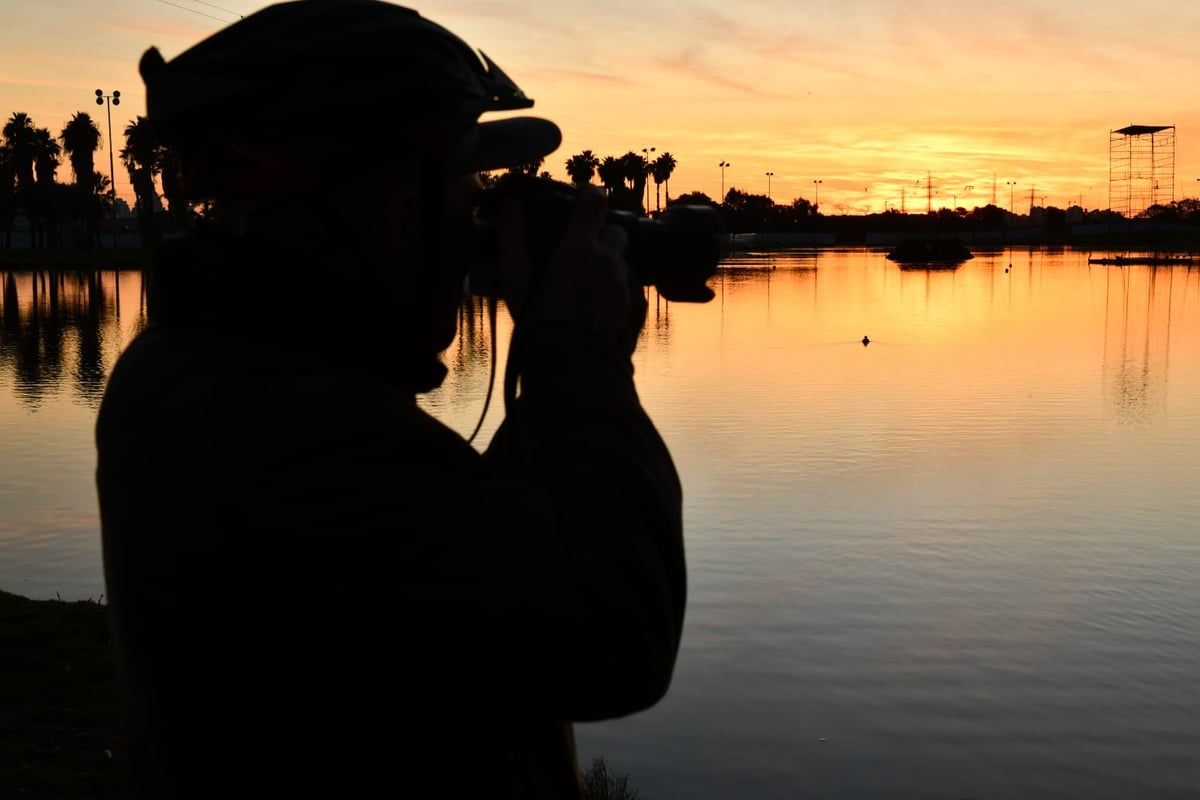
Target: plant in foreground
(600, 784)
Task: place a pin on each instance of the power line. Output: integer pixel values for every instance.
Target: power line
(218, 8)
(201, 13)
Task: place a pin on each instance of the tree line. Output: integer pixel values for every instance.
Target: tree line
(70, 214)
(624, 178)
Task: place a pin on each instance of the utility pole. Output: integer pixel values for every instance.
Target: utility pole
(723, 165)
(108, 101)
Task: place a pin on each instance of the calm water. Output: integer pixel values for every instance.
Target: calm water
(960, 561)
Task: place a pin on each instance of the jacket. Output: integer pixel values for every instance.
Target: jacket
(317, 589)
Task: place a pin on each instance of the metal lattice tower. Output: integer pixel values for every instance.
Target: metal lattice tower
(1141, 167)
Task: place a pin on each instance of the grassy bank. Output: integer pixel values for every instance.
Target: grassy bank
(60, 732)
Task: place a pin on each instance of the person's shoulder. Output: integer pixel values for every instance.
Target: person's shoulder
(219, 392)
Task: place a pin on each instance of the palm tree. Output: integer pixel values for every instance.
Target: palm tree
(140, 155)
(635, 168)
(529, 168)
(172, 184)
(99, 205)
(21, 138)
(102, 191)
(661, 169)
(582, 167)
(611, 174)
(40, 197)
(8, 198)
(45, 156)
(80, 140)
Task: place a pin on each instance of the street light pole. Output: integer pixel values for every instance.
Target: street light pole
(108, 101)
(721, 206)
(769, 174)
(1011, 184)
(817, 199)
(646, 151)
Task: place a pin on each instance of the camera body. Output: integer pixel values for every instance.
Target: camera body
(676, 252)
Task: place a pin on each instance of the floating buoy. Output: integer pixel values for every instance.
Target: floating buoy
(866, 340)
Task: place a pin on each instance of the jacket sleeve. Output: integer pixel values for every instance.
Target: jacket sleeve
(584, 458)
(547, 574)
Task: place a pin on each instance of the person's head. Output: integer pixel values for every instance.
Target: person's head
(359, 121)
(312, 95)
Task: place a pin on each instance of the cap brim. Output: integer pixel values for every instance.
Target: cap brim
(507, 142)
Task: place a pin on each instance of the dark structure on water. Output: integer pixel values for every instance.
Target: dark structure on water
(930, 253)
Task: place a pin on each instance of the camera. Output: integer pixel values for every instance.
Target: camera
(676, 252)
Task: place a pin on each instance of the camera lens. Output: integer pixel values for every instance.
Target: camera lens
(676, 253)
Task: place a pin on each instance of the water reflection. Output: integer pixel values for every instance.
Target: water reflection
(1139, 308)
(483, 329)
(62, 331)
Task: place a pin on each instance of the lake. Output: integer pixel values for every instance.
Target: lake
(962, 560)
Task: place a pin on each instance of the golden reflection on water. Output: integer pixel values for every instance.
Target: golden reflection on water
(1040, 323)
(1010, 349)
(61, 331)
(964, 545)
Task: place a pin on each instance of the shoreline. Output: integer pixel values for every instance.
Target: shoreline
(100, 258)
(137, 258)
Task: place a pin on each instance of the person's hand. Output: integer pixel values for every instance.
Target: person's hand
(587, 284)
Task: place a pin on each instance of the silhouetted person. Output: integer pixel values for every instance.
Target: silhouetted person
(318, 590)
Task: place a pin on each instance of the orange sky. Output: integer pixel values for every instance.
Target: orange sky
(867, 96)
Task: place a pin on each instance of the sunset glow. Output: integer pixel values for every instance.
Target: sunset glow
(868, 96)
